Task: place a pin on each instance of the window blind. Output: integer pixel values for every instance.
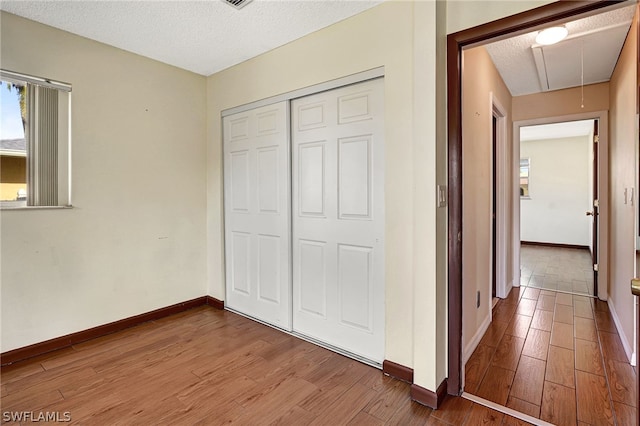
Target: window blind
(42, 145)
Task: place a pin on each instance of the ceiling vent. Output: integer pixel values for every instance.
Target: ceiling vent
(238, 4)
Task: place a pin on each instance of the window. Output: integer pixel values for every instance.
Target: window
(524, 177)
(34, 142)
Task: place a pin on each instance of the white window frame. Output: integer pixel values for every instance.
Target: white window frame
(528, 165)
(64, 138)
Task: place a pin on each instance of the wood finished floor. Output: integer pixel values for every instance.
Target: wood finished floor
(557, 357)
(207, 366)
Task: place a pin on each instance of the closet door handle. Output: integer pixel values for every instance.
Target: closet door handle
(635, 286)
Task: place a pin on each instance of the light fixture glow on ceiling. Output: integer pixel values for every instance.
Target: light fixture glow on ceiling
(551, 35)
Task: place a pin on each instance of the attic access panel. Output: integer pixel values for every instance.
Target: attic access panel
(560, 65)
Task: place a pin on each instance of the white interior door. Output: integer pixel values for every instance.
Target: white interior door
(338, 218)
(257, 206)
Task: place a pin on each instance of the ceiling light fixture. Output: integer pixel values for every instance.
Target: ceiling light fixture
(552, 35)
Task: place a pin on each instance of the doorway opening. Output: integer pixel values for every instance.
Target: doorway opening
(558, 184)
(528, 21)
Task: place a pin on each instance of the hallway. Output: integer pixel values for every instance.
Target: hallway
(556, 268)
(554, 356)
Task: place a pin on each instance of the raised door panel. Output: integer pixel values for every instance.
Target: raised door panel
(311, 179)
(354, 181)
(355, 107)
(312, 277)
(268, 123)
(240, 261)
(238, 128)
(355, 287)
(311, 116)
(269, 260)
(268, 183)
(239, 181)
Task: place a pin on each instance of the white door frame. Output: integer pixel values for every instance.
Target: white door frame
(502, 197)
(603, 191)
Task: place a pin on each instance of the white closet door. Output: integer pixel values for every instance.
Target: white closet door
(338, 218)
(257, 206)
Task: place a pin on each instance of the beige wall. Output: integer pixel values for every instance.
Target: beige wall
(480, 79)
(561, 186)
(13, 176)
(623, 88)
(464, 14)
(135, 240)
(382, 36)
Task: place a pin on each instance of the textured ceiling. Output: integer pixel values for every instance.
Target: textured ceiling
(561, 64)
(201, 36)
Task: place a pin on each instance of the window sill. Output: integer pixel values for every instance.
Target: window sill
(7, 208)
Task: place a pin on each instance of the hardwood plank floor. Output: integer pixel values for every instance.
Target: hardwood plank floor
(207, 366)
(496, 385)
(558, 404)
(570, 366)
(529, 380)
(560, 367)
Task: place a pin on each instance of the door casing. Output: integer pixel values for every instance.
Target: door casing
(503, 175)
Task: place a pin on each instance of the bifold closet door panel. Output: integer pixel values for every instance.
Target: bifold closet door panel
(257, 213)
(338, 218)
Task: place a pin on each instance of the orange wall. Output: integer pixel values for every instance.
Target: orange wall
(477, 190)
(622, 146)
(13, 176)
(561, 102)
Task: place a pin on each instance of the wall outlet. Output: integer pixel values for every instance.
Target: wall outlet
(442, 195)
(478, 299)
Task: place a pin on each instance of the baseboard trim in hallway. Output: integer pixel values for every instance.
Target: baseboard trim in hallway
(397, 371)
(505, 410)
(427, 397)
(628, 346)
(556, 245)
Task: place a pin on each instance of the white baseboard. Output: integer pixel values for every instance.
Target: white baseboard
(507, 288)
(628, 349)
(473, 343)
